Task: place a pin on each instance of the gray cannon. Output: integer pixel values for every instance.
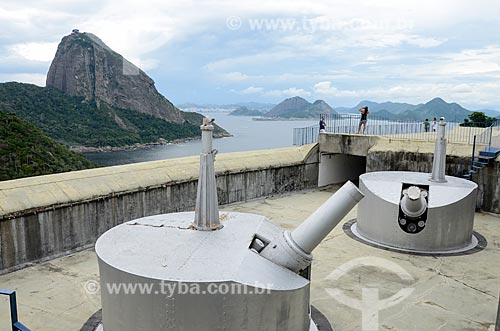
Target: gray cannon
(293, 250)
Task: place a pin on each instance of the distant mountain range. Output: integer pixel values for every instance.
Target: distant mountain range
(437, 107)
(391, 107)
(490, 112)
(263, 107)
(297, 107)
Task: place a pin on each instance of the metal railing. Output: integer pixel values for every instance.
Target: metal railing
(16, 325)
(394, 129)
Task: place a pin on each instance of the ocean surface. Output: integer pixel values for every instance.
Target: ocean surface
(247, 135)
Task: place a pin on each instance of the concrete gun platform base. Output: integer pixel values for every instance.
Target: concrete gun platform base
(454, 293)
(478, 243)
(320, 321)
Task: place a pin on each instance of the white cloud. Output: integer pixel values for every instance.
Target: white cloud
(326, 89)
(351, 43)
(234, 76)
(37, 79)
(253, 90)
(289, 92)
(258, 58)
(144, 63)
(423, 42)
(43, 52)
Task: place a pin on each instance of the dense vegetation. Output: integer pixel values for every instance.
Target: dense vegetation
(26, 151)
(479, 119)
(244, 111)
(298, 107)
(73, 121)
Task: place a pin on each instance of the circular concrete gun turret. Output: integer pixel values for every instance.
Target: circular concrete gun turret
(209, 270)
(418, 212)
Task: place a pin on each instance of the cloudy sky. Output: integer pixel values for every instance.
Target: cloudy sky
(218, 51)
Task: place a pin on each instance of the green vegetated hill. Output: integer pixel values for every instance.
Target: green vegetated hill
(437, 108)
(298, 107)
(389, 107)
(74, 121)
(26, 151)
(244, 111)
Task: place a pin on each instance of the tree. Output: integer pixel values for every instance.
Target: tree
(478, 119)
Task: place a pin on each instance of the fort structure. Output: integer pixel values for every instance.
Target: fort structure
(48, 216)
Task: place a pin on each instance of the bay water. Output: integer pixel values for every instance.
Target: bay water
(247, 135)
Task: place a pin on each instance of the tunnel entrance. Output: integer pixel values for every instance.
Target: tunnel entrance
(338, 168)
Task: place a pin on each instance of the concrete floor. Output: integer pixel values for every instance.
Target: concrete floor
(449, 293)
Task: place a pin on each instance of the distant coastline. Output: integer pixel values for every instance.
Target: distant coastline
(284, 118)
(104, 149)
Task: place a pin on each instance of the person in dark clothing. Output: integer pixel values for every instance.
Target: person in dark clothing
(364, 117)
(322, 124)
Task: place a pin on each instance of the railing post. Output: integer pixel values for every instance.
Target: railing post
(491, 134)
(13, 310)
(16, 325)
(473, 154)
(497, 327)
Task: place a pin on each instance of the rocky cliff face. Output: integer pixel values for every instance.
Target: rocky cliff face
(85, 66)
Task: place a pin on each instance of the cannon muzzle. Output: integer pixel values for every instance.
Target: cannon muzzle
(293, 250)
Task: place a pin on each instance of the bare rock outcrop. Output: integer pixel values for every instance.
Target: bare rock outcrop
(85, 66)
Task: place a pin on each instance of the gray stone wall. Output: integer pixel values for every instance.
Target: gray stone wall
(488, 180)
(411, 161)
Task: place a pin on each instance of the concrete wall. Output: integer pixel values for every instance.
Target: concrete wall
(346, 144)
(488, 180)
(44, 232)
(338, 168)
(412, 161)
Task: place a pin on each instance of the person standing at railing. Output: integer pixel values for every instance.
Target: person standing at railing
(434, 125)
(364, 118)
(322, 124)
(427, 125)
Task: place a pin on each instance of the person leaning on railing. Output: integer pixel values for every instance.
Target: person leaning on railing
(364, 117)
(322, 124)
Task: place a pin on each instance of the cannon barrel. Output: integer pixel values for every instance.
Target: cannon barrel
(413, 202)
(293, 250)
(316, 227)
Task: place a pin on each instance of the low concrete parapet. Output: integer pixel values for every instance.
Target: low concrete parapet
(46, 216)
